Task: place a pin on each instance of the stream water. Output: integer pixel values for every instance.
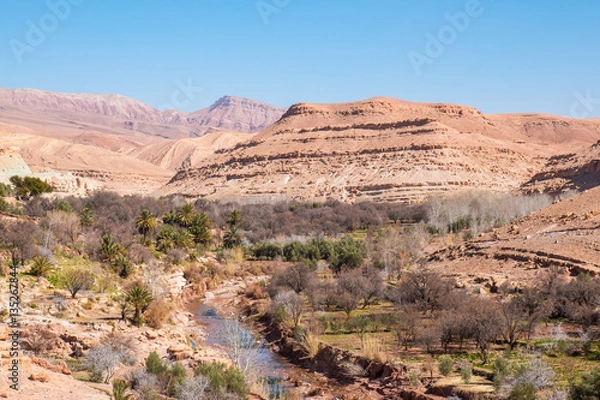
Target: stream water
(272, 368)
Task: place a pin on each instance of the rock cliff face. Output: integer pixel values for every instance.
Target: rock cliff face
(383, 149)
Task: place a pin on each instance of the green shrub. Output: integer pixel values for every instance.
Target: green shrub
(41, 266)
(120, 387)
(446, 365)
(223, 378)
(29, 186)
(588, 388)
(501, 371)
(524, 391)
(154, 365)
(266, 251)
(466, 370)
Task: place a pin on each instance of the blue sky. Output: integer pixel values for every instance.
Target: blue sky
(509, 56)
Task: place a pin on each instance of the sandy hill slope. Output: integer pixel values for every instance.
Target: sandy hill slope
(384, 149)
(177, 154)
(565, 235)
(576, 171)
(61, 163)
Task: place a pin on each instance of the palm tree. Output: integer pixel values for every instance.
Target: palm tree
(146, 223)
(110, 249)
(169, 217)
(86, 217)
(235, 218)
(165, 240)
(139, 297)
(186, 215)
(200, 228)
(123, 266)
(183, 239)
(233, 237)
(41, 266)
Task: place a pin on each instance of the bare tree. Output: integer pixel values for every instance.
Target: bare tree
(104, 358)
(292, 303)
(76, 280)
(241, 347)
(298, 277)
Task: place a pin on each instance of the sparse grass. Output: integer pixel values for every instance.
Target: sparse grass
(373, 348)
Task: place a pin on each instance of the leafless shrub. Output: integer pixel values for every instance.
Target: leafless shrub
(139, 378)
(38, 338)
(102, 360)
(537, 373)
(483, 210)
(193, 388)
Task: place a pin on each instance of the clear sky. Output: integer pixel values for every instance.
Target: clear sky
(505, 56)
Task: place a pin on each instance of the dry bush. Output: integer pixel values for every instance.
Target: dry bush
(256, 292)
(194, 273)
(157, 313)
(310, 343)
(38, 338)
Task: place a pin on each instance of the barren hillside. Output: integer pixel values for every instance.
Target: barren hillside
(385, 149)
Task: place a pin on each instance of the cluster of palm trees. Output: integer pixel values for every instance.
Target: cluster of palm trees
(180, 229)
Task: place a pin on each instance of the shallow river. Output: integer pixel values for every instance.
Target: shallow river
(273, 369)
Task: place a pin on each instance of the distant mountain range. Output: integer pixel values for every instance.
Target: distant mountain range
(126, 114)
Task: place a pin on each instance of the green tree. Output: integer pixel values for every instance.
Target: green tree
(86, 217)
(170, 217)
(146, 223)
(165, 240)
(139, 297)
(122, 266)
